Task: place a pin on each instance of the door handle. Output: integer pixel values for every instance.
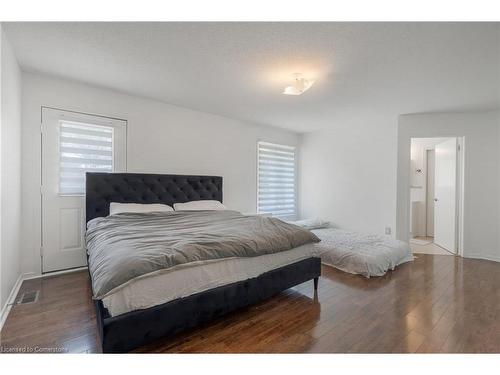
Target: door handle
(435, 199)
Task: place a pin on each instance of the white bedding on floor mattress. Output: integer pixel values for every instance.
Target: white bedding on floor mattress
(359, 253)
(167, 285)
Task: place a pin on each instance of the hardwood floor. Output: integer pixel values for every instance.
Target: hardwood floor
(436, 304)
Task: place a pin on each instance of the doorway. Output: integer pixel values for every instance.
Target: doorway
(435, 195)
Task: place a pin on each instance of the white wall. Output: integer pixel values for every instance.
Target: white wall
(348, 174)
(10, 221)
(481, 174)
(162, 138)
(352, 173)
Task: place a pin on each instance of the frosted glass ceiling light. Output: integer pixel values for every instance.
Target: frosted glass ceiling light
(300, 85)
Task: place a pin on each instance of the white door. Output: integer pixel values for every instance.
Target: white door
(72, 144)
(445, 180)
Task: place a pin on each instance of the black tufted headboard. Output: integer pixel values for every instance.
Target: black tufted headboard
(104, 188)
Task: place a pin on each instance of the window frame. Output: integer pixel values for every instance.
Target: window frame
(295, 149)
(120, 140)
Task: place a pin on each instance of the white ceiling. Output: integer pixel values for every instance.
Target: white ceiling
(362, 70)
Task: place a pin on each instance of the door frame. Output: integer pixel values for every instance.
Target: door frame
(42, 108)
(460, 196)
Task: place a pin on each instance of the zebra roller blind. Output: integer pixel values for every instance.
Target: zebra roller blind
(83, 148)
(276, 180)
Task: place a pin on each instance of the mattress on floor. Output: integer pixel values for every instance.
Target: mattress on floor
(359, 253)
(167, 285)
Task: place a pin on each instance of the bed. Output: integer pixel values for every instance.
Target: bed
(156, 303)
(360, 253)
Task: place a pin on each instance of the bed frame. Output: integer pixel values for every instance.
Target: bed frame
(125, 332)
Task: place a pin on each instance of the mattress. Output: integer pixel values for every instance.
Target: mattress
(360, 253)
(125, 246)
(167, 285)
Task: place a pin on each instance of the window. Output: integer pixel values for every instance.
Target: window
(83, 148)
(276, 180)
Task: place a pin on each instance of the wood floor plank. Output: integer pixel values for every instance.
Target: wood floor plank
(435, 304)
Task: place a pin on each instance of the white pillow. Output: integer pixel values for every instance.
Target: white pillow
(206, 205)
(118, 208)
(312, 223)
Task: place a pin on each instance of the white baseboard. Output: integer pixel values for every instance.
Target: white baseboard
(10, 301)
(15, 290)
(492, 257)
(31, 276)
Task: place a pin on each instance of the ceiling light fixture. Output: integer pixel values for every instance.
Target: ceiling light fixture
(300, 85)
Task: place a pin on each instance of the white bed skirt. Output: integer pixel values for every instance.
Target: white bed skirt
(165, 286)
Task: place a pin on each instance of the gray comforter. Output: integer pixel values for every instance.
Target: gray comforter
(125, 246)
